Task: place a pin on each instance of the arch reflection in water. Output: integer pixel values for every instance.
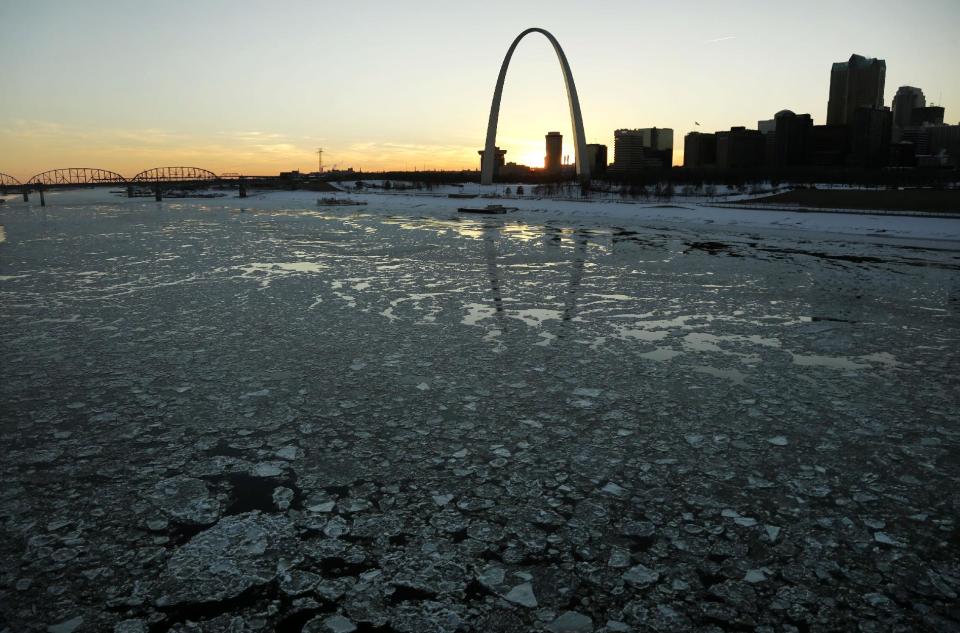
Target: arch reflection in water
(492, 233)
(576, 276)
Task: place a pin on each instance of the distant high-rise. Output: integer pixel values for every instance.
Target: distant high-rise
(699, 150)
(791, 144)
(553, 160)
(597, 158)
(857, 83)
(904, 102)
(870, 137)
(740, 148)
(767, 126)
(643, 148)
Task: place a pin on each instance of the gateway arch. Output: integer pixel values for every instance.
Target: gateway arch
(579, 139)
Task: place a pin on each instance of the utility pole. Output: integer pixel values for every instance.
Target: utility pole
(320, 160)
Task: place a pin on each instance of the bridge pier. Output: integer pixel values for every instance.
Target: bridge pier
(129, 191)
(26, 195)
(243, 188)
(158, 193)
(43, 201)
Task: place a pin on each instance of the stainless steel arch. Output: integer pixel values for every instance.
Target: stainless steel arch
(579, 139)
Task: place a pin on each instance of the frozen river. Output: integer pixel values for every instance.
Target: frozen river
(228, 415)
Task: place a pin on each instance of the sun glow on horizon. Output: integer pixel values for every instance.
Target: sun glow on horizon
(271, 91)
(530, 159)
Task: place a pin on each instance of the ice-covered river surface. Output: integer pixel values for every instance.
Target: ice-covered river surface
(229, 415)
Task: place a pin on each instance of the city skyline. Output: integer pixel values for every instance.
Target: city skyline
(241, 88)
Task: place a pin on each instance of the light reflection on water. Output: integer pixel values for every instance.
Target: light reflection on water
(527, 285)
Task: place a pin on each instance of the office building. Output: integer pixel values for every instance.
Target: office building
(905, 102)
(791, 146)
(642, 149)
(945, 142)
(768, 126)
(699, 150)
(740, 148)
(554, 158)
(856, 83)
(597, 158)
(929, 115)
(870, 137)
(829, 145)
(919, 138)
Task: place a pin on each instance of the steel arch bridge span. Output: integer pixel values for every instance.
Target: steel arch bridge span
(7, 180)
(77, 176)
(579, 139)
(174, 174)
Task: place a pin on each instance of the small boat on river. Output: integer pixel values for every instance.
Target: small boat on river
(490, 208)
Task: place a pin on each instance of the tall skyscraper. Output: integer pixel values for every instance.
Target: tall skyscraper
(904, 102)
(553, 160)
(857, 83)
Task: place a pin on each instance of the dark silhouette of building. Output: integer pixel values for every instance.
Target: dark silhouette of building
(597, 158)
(929, 115)
(854, 84)
(740, 148)
(768, 126)
(642, 149)
(829, 145)
(699, 150)
(945, 143)
(903, 154)
(553, 161)
(919, 138)
(498, 162)
(791, 146)
(905, 102)
(513, 171)
(870, 137)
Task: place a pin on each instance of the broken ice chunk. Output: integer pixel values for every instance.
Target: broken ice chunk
(523, 595)
(641, 576)
(571, 622)
(614, 489)
(282, 497)
(885, 539)
(773, 532)
(67, 626)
